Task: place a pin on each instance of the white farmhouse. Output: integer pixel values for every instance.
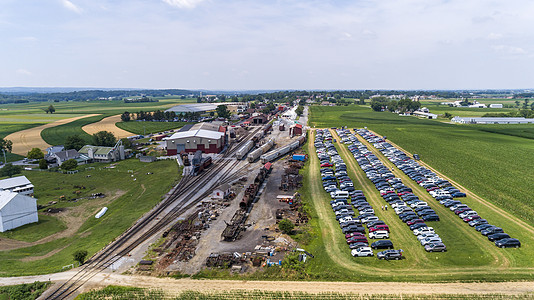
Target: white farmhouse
(16, 210)
(19, 184)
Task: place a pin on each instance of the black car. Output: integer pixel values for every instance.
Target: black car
(418, 225)
(431, 218)
(482, 227)
(507, 243)
(353, 228)
(374, 223)
(390, 254)
(382, 244)
(498, 236)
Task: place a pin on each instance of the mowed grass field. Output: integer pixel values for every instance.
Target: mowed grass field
(126, 200)
(471, 257)
(494, 165)
(149, 127)
(6, 129)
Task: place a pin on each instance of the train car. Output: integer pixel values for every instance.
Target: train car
(197, 158)
(267, 127)
(242, 152)
(204, 163)
(254, 155)
(267, 157)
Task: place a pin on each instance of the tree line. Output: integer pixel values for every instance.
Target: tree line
(402, 105)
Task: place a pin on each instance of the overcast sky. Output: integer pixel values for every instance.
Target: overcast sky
(268, 44)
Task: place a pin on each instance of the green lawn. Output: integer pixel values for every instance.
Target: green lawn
(46, 226)
(57, 135)
(8, 128)
(137, 198)
(149, 127)
(496, 166)
(23, 291)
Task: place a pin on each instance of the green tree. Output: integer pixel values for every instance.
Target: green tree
(70, 164)
(74, 142)
(10, 170)
(42, 164)
(447, 115)
(51, 109)
(6, 145)
(80, 256)
(35, 153)
(104, 138)
(126, 143)
(379, 103)
(517, 103)
(125, 117)
(299, 110)
(362, 100)
(286, 226)
(222, 111)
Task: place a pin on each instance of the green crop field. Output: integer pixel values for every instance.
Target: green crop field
(57, 135)
(119, 292)
(149, 127)
(23, 291)
(131, 200)
(8, 128)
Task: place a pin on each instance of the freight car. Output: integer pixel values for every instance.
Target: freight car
(204, 163)
(254, 155)
(242, 152)
(276, 153)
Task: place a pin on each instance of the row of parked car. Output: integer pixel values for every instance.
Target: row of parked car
(346, 199)
(409, 208)
(441, 190)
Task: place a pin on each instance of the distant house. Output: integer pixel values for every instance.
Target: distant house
(477, 105)
(103, 154)
(19, 184)
(258, 119)
(496, 105)
(425, 115)
(54, 149)
(16, 210)
(63, 156)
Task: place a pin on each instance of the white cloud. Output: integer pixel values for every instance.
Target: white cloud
(71, 6)
(509, 49)
(494, 36)
(183, 3)
(24, 72)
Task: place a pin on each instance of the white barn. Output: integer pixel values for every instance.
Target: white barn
(16, 210)
(19, 184)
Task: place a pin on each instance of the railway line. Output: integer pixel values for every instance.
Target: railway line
(184, 197)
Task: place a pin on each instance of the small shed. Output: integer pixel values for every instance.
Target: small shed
(16, 210)
(295, 130)
(222, 192)
(147, 159)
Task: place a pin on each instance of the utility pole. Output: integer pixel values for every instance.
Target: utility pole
(5, 161)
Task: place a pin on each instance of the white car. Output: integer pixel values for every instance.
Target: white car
(422, 230)
(419, 204)
(457, 206)
(401, 209)
(362, 251)
(395, 205)
(379, 234)
(468, 213)
(370, 219)
(426, 235)
(346, 219)
(431, 240)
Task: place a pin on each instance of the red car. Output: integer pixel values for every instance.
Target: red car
(348, 235)
(461, 210)
(379, 227)
(356, 239)
(327, 165)
(415, 221)
(471, 218)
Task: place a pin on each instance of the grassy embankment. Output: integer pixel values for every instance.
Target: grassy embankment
(149, 127)
(126, 200)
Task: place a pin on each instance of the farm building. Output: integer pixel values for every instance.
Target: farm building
(495, 105)
(425, 115)
(16, 210)
(56, 159)
(222, 192)
(477, 105)
(19, 184)
(295, 130)
(103, 154)
(148, 159)
(258, 119)
(204, 140)
(195, 107)
(490, 120)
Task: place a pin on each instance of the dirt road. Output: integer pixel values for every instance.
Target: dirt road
(175, 286)
(107, 124)
(25, 140)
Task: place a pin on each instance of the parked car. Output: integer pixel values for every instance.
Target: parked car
(498, 236)
(491, 230)
(380, 234)
(436, 247)
(418, 225)
(507, 243)
(430, 240)
(390, 254)
(382, 244)
(379, 227)
(423, 230)
(431, 218)
(362, 251)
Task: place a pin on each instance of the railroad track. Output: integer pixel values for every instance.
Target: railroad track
(184, 197)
